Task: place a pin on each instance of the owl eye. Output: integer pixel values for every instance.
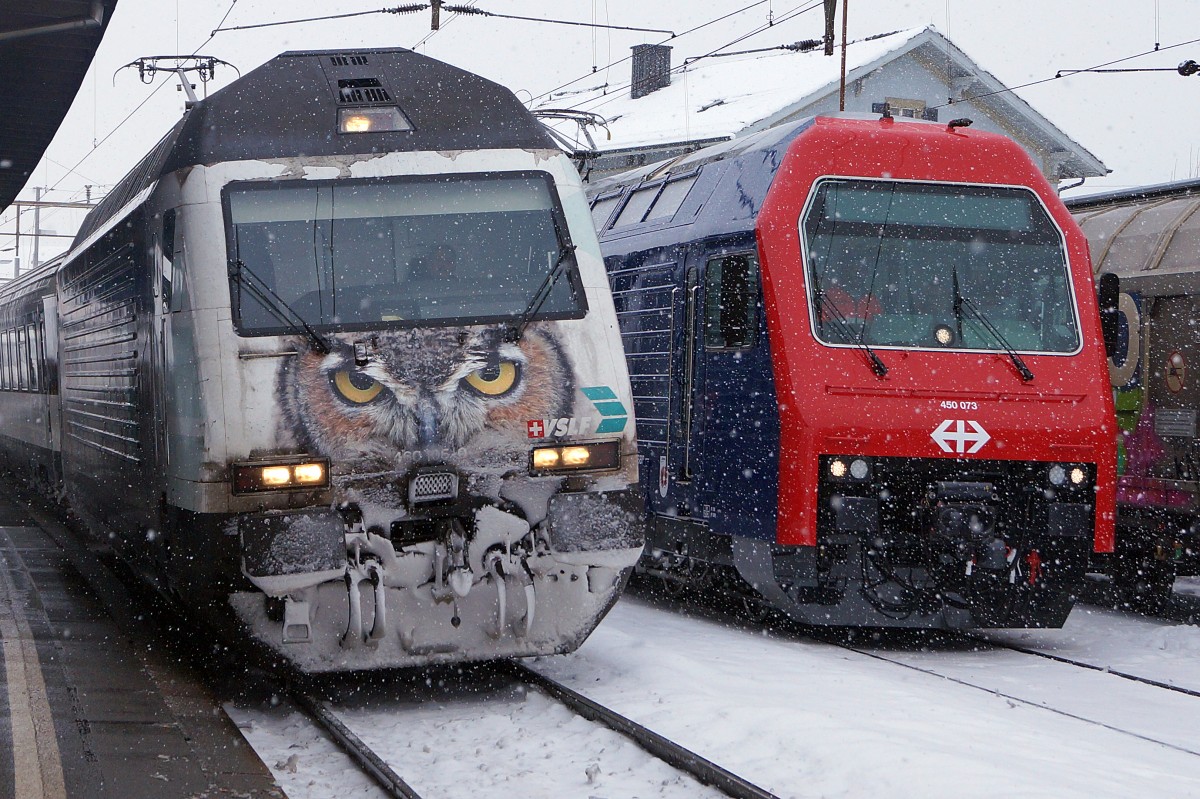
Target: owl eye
(495, 381)
(356, 387)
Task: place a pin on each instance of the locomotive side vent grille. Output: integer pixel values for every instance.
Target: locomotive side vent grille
(346, 61)
(362, 90)
(432, 487)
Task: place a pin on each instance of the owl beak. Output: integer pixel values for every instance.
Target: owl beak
(427, 426)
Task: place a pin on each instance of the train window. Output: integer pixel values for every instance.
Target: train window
(446, 249)
(5, 371)
(22, 360)
(932, 265)
(731, 298)
(602, 209)
(670, 198)
(35, 383)
(636, 206)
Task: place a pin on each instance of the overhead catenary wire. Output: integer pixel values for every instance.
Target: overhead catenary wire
(466, 10)
(1060, 75)
(138, 107)
(792, 14)
(620, 61)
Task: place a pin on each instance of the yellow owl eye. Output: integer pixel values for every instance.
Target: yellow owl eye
(494, 381)
(356, 387)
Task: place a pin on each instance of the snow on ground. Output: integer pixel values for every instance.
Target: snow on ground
(802, 718)
(305, 764)
(1146, 647)
(797, 716)
(1189, 586)
(462, 741)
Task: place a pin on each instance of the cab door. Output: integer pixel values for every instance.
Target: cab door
(734, 439)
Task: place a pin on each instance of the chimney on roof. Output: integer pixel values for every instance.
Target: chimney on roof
(651, 68)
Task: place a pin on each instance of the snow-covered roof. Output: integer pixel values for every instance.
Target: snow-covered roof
(715, 98)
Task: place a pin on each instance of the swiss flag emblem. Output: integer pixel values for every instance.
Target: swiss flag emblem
(536, 428)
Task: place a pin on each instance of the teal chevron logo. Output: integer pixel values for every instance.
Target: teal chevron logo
(610, 407)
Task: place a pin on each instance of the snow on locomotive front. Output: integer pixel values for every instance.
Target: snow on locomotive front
(397, 416)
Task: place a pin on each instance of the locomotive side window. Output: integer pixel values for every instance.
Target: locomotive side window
(932, 265)
(602, 209)
(731, 299)
(444, 249)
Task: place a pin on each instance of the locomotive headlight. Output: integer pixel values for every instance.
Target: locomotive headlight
(545, 458)
(1057, 475)
(575, 457)
(250, 478)
(1078, 476)
(371, 120)
(309, 473)
(275, 476)
(850, 468)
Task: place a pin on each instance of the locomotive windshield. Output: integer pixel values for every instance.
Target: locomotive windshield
(445, 249)
(935, 266)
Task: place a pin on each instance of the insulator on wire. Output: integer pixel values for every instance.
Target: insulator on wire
(1188, 67)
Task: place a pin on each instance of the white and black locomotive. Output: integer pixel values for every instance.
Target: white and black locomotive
(336, 364)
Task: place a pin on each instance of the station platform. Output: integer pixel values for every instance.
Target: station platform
(90, 707)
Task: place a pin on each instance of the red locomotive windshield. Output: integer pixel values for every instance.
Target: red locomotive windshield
(950, 313)
(905, 264)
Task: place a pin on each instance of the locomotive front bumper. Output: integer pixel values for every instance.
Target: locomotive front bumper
(332, 597)
(935, 544)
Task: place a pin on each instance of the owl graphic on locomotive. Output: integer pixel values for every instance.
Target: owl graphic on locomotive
(337, 366)
(869, 372)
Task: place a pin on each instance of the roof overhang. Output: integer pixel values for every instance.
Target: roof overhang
(46, 47)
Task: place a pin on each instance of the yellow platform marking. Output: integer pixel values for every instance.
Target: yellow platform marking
(36, 762)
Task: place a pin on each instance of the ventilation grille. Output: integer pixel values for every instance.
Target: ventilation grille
(362, 90)
(432, 487)
(346, 61)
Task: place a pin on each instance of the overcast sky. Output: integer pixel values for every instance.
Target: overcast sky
(1143, 125)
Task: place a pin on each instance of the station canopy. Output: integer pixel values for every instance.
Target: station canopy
(46, 47)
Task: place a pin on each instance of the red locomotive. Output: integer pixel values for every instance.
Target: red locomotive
(868, 372)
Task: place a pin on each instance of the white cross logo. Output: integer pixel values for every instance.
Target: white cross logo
(960, 436)
(536, 428)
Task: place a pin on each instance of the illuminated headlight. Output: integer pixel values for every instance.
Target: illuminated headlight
(575, 457)
(249, 478)
(850, 468)
(1078, 475)
(371, 120)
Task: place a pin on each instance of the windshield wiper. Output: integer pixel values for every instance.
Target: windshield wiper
(876, 364)
(277, 306)
(515, 332)
(1018, 363)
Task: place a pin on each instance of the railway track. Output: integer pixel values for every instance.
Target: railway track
(674, 755)
(1083, 665)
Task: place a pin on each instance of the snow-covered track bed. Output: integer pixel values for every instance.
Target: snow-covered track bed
(904, 716)
(462, 732)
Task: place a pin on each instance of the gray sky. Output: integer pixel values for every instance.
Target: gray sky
(1142, 125)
